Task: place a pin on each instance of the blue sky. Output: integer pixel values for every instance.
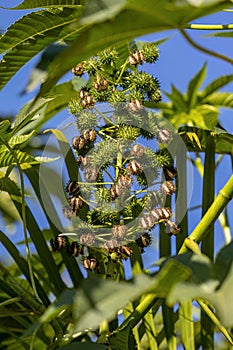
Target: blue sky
(177, 64)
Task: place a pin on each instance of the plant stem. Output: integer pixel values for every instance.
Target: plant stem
(222, 199)
(204, 49)
(209, 26)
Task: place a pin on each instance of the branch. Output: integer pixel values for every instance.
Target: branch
(205, 50)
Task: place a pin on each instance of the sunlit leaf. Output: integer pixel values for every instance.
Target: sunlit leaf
(194, 85)
(31, 4)
(216, 85)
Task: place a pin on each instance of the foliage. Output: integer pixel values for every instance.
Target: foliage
(74, 292)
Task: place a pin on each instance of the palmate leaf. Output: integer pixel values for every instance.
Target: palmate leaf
(194, 85)
(134, 19)
(216, 85)
(32, 34)
(31, 4)
(221, 99)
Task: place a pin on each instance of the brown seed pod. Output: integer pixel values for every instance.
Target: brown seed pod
(125, 181)
(169, 172)
(147, 222)
(119, 231)
(100, 84)
(124, 252)
(75, 203)
(137, 151)
(144, 240)
(73, 249)
(87, 239)
(161, 213)
(87, 102)
(168, 188)
(172, 228)
(68, 212)
(83, 162)
(113, 192)
(72, 188)
(90, 262)
(135, 105)
(111, 245)
(90, 173)
(134, 167)
(83, 93)
(78, 70)
(136, 58)
(58, 243)
(164, 136)
(92, 135)
(78, 143)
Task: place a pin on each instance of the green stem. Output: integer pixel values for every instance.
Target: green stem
(221, 201)
(205, 50)
(209, 26)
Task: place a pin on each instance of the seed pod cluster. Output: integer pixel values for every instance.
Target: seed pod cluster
(78, 70)
(118, 251)
(79, 142)
(123, 183)
(87, 239)
(87, 101)
(164, 136)
(90, 262)
(60, 243)
(100, 84)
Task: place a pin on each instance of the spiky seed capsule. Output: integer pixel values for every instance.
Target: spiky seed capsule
(144, 240)
(78, 143)
(58, 243)
(135, 105)
(72, 188)
(101, 84)
(172, 228)
(136, 58)
(124, 252)
(78, 70)
(134, 167)
(87, 239)
(75, 203)
(73, 249)
(137, 151)
(87, 102)
(168, 188)
(90, 262)
(155, 96)
(164, 136)
(169, 172)
(119, 231)
(68, 212)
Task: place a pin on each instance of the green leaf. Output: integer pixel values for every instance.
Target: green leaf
(226, 34)
(30, 35)
(122, 340)
(99, 300)
(96, 11)
(123, 28)
(31, 4)
(179, 103)
(84, 346)
(4, 127)
(221, 99)
(216, 85)
(194, 85)
(20, 140)
(7, 158)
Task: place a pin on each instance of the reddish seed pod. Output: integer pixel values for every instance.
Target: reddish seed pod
(90, 262)
(111, 245)
(164, 136)
(172, 228)
(78, 70)
(92, 135)
(119, 231)
(124, 252)
(72, 187)
(58, 243)
(144, 240)
(75, 203)
(137, 151)
(101, 84)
